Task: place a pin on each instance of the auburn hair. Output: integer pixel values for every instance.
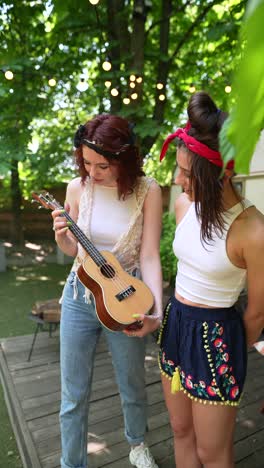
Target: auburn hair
(113, 133)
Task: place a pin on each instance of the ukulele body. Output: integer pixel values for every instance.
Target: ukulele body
(117, 294)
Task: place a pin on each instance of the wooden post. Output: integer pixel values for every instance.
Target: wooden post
(2, 258)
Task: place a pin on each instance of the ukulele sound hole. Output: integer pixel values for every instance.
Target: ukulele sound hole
(107, 270)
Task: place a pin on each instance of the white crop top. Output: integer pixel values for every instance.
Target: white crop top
(205, 274)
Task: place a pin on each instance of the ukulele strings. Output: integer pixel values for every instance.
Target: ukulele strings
(96, 255)
(99, 259)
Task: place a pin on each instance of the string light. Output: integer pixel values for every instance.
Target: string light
(160, 85)
(132, 78)
(94, 2)
(108, 84)
(9, 75)
(82, 85)
(126, 100)
(106, 65)
(134, 96)
(139, 79)
(228, 89)
(162, 97)
(114, 92)
(132, 84)
(52, 82)
(192, 88)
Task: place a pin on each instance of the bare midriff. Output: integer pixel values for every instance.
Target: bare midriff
(195, 304)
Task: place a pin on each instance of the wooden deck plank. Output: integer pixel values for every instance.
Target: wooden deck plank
(23, 437)
(32, 391)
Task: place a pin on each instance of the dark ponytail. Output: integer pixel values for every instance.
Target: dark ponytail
(206, 121)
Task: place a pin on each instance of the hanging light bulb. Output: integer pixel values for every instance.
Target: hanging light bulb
(9, 75)
(114, 92)
(132, 78)
(139, 79)
(160, 85)
(132, 84)
(94, 2)
(82, 85)
(126, 100)
(192, 88)
(52, 82)
(162, 97)
(106, 65)
(228, 89)
(134, 96)
(108, 84)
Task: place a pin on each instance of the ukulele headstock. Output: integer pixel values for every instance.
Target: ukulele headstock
(46, 200)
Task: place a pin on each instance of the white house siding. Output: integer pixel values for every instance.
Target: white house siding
(253, 183)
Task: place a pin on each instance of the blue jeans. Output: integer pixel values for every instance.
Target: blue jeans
(79, 332)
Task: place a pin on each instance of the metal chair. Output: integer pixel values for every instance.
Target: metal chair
(44, 313)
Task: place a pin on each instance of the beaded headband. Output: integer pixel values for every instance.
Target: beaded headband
(98, 147)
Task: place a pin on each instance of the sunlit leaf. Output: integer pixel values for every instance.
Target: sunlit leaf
(240, 135)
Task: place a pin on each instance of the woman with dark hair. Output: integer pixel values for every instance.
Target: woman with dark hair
(119, 210)
(219, 241)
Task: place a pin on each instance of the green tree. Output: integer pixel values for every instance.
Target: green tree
(242, 129)
(22, 48)
(181, 45)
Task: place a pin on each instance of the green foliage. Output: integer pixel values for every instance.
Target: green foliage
(242, 130)
(65, 40)
(162, 172)
(9, 455)
(168, 259)
(20, 288)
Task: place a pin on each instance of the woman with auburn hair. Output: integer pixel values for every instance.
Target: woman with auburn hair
(119, 209)
(219, 243)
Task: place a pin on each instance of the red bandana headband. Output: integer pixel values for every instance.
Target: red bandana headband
(195, 146)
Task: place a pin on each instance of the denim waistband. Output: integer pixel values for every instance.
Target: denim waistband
(203, 313)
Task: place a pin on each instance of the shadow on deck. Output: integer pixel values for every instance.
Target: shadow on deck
(32, 392)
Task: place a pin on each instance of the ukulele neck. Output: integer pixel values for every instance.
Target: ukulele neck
(88, 246)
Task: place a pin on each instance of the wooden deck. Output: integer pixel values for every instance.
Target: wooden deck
(32, 391)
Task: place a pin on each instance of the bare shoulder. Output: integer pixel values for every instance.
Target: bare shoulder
(154, 188)
(73, 195)
(75, 188)
(75, 185)
(154, 193)
(250, 232)
(253, 221)
(181, 206)
(153, 199)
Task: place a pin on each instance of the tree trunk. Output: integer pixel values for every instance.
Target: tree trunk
(113, 12)
(16, 230)
(162, 72)
(138, 48)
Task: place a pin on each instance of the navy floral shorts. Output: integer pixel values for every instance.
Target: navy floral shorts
(204, 352)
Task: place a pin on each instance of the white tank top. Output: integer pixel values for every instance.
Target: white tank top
(110, 217)
(112, 224)
(205, 274)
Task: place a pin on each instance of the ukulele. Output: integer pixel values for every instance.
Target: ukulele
(117, 294)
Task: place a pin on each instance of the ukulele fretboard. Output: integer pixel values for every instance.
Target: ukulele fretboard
(96, 256)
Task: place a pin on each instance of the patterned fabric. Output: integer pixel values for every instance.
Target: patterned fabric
(203, 351)
(127, 247)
